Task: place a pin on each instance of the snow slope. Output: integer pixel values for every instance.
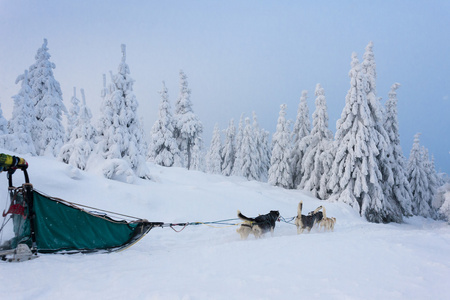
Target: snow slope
(359, 260)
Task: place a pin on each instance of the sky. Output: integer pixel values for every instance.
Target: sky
(241, 56)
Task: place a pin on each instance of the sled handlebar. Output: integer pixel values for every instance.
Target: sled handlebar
(25, 173)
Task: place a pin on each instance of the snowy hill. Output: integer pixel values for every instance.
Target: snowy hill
(359, 260)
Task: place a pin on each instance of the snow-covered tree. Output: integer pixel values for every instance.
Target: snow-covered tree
(265, 153)
(80, 145)
(356, 173)
(188, 128)
(313, 146)
(163, 146)
(74, 112)
(238, 162)
(418, 179)
(391, 204)
(23, 122)
(401, 189)
(247, 154)
(214, 155)
(302, 128)
(198, 157)
(280, 169)
(48, 104)
(3, 129)
(444, 210)
(229, 149)
(120, 129)
(260, 163)
(433, 181)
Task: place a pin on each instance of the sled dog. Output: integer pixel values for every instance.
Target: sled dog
(327, 223)
(245, 229)
(307, 222)
(259, 225)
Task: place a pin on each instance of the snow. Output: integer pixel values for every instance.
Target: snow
(359, 260)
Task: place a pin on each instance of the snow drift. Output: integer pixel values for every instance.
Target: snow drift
(359, 260)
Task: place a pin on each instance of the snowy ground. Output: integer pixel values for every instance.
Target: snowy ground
(359, 260)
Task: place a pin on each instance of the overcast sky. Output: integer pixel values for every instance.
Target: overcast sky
(241, 56)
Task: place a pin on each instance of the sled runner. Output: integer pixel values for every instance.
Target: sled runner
(45, 224)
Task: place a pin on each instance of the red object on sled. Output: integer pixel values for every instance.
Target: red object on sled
(16, 209)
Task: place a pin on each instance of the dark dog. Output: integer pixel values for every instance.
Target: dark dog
(262, 223)
(307, 222)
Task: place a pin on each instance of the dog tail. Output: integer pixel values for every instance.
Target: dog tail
(299, 209)
(242, 217)
(324, 212)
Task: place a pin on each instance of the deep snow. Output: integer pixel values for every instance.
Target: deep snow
(359, 260)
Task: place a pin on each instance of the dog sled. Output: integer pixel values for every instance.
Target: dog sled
(45, 224)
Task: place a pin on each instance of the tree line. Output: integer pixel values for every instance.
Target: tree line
(361, 165)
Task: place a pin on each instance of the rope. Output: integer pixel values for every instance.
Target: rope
(225, 222)
(287, 221)
(177, 231)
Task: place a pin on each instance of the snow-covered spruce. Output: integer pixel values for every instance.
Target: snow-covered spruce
(48, 104)
(23, 121)
(188, 128)
(280, 169)
(261, 144)
(163, 148)
(238, 162)
(73, 115)
(390, 204)
(302, 128)
(418, 178)
(355, 174)
(229, 149)
(401, 189)
(120, 132)
(247, 154)
(80, 145)
(214, 154)
(313, 146)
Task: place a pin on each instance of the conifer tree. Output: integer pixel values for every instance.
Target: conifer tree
(418, 179)
(401, 189)
(188, 128)
(229, 149)
(80, 145)
(3, 123)
(48, 103)
(280, 170)
(313, 146)
(433, 181)
(74, 112)
(260, 164)
(247, 153)
(198, 157)
(302, 128)
(266, 151)
(214, 155)
(163, 147)
(23, 122)
(121, 130)
(238, 163)
(356, 174)
(392, 207)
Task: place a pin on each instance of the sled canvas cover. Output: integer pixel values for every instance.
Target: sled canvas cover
(50, 225)
(59, 226)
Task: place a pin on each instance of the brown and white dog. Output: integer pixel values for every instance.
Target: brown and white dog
(259, 225)
(307, 222)
(245, 229)
(327, 223)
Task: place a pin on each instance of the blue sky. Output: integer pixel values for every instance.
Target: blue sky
(242, 56)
